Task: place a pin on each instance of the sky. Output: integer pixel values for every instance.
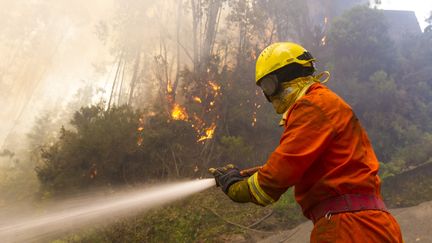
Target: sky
(422, 8)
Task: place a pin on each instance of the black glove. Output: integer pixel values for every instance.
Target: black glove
(226, 176)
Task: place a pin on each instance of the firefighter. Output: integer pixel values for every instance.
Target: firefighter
(324, 153)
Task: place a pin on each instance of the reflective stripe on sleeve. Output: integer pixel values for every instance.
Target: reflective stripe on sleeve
(256, 190)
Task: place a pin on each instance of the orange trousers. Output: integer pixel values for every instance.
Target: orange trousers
(364, 226)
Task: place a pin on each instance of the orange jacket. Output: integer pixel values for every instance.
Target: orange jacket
(324, 152)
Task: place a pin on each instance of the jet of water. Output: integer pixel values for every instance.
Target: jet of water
(96, 210)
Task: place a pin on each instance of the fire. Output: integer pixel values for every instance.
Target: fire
(325, 20)
(197, 99)
(93, 173)
(209, 132)
(169, 87)
(179, 113)
(214, 86)
(140, 141)
(140, 130)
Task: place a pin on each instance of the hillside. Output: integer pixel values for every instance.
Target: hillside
(414, 222)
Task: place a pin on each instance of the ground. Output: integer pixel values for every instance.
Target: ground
(414, 222)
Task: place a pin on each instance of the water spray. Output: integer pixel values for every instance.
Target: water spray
(96, 209)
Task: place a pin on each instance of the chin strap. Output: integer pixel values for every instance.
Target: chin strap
(316, 79)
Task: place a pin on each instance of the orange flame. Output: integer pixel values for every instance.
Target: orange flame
(140, 141)
(140, 130)
(209, 133)
(197, 99)
(169, 87)
(179, 113)
(214, 86)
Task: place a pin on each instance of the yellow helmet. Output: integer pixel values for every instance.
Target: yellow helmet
(278, 55)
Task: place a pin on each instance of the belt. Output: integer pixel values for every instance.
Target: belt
(346, 203)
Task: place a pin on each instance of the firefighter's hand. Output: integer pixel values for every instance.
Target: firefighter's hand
(250, 171)
(226, 176)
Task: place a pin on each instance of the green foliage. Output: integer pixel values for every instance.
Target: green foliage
(98, 151)
(393, 104)
(391, 169)
(361, 44)
(287, 211)
(235, 150)
(102, 149)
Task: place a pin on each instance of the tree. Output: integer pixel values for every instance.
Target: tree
(97, 151)
(429, 21)
(391, 103)
(360, 44)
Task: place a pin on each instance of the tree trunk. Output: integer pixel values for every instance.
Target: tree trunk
(115, 81)
(134, 77)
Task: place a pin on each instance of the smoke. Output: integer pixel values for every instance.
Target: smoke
(47, 49)
(81, 211)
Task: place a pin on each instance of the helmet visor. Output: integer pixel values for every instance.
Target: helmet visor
(269, 84)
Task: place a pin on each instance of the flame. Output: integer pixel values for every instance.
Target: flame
(197, 99)
(93, 171)
(140, 130)
(140, 141)
(179, 113)
(325, 20)
(214, 86)
(152, 113)
(93, 174)
(169, 87)
(197, 123)
(209, 133)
